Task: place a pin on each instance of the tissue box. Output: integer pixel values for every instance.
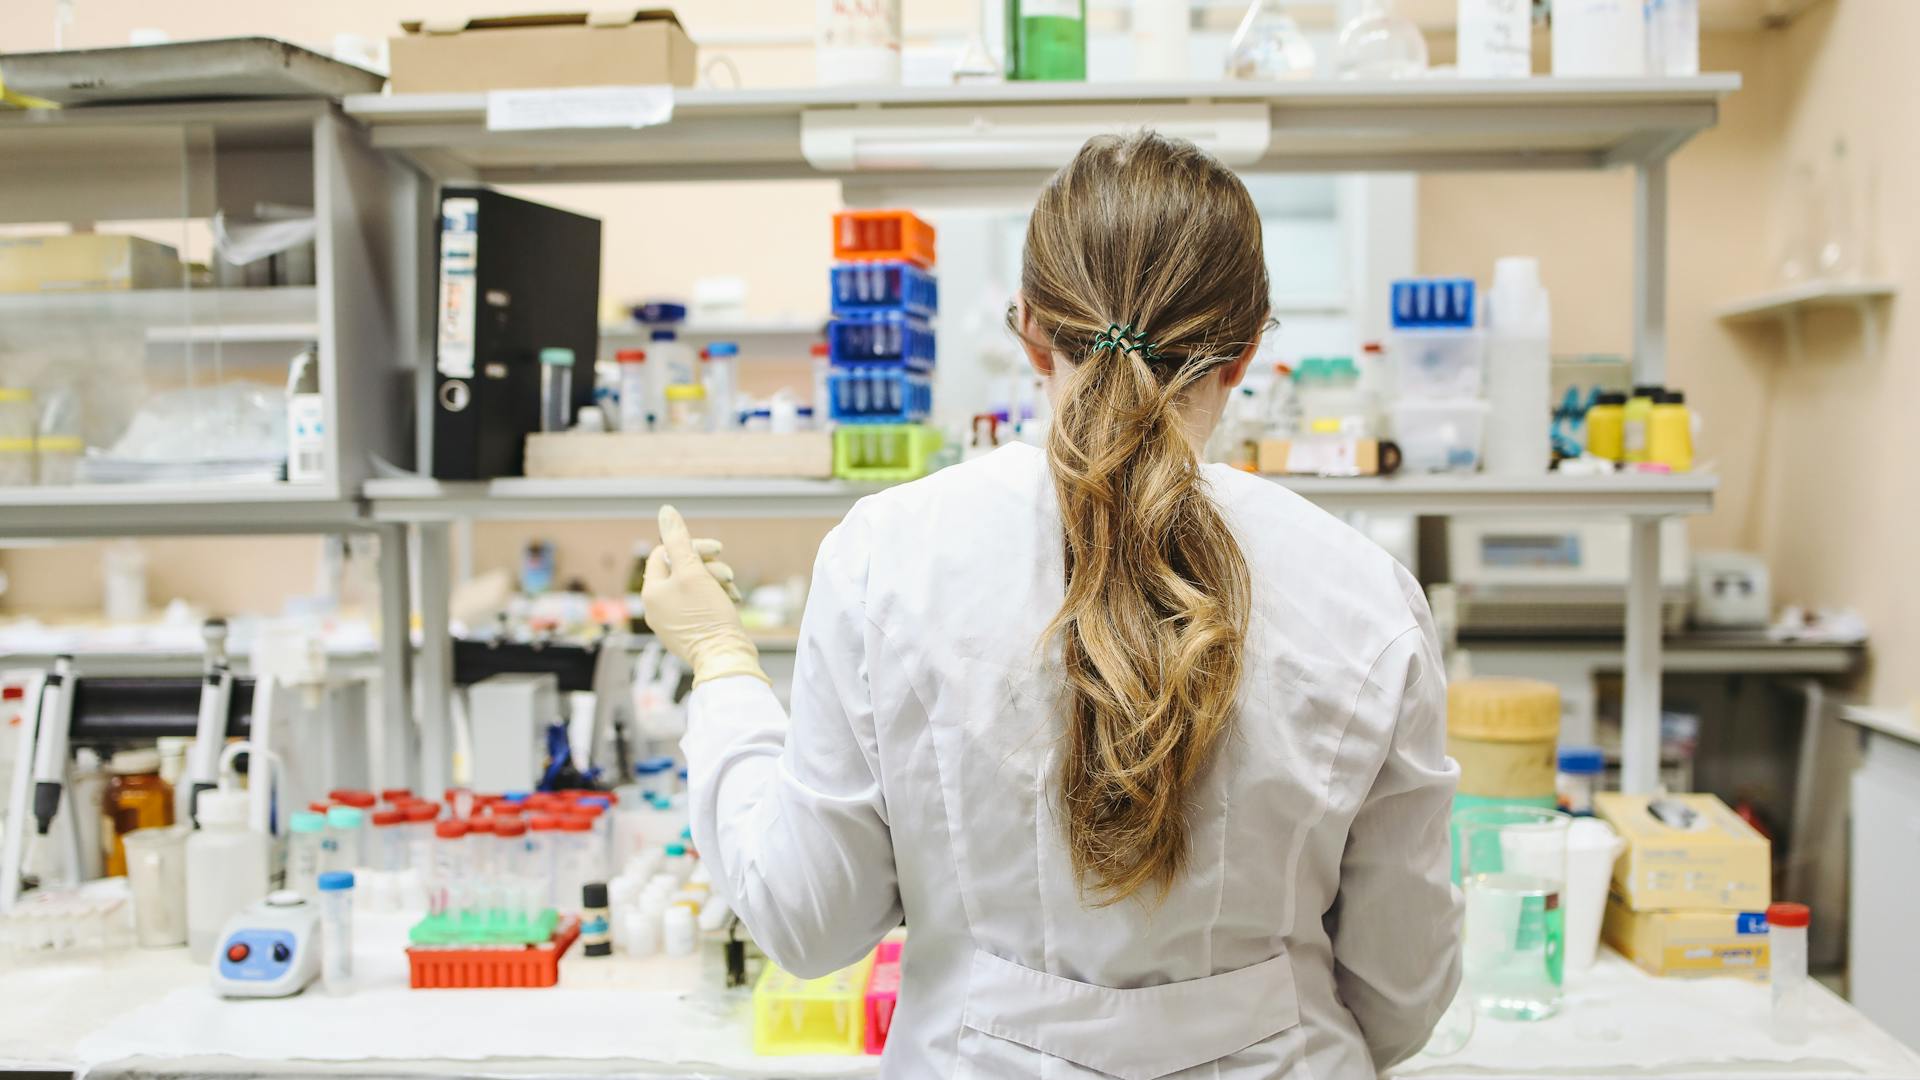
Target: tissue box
(85, 262)
(517, 52)
(1715, 862)
(1694, 943)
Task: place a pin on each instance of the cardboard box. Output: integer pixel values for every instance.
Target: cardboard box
(86, 262)
(519, 52)
(1714, 862)
(1322, 457)
(575, 455)
(1691, 943)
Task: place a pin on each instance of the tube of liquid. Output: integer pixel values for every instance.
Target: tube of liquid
(336, 932)
(306, 852)
(446, 891)
(483, 857)
(635, 413)
(543, 840)
(347, 827)
(419, 832)
(510, 839)
(721, 360)
(574, 862)
(1787, 942)
(556, 389)
(390, 841)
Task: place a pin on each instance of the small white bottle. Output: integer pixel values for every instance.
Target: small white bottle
(680, 930)
(1519, 371)
(226, 869)
(1496, 39)
(306, 854)
(635, 411)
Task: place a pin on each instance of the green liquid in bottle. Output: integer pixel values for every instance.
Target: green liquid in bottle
(1047, 40)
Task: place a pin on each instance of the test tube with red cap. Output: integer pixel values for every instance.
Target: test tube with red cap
(485, 859)
(419, 833)
(543, 837)
(390, 840)
(447, 891)
(515, 885)
(573, 866)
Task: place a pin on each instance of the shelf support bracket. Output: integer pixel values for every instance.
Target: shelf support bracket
(393, 746)
(1640, 689)
(434, 687)
(1650, 271)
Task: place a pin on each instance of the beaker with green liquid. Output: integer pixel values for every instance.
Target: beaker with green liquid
(1513, 870)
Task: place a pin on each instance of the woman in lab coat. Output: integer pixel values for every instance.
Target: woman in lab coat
(1148, 754)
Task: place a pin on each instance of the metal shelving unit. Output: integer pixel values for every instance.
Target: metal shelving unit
(1008, 137)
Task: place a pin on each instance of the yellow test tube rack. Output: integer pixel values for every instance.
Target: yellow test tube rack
(794, 1016)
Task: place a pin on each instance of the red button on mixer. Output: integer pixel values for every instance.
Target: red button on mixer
(237, 952)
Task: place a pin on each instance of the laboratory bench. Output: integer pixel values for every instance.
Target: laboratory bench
(151, 1014)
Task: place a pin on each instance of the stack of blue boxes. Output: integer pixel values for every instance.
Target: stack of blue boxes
(880, 343)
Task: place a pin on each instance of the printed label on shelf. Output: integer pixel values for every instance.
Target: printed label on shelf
(579, 107)
(1054, 9)
(459, 249)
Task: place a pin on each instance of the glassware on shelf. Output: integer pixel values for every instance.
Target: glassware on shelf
(1793, 258)
(1378, 44)
(1838, 253)
(1269, 45)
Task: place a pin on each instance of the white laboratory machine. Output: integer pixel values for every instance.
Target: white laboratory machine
(271, 949)
(1550, 575)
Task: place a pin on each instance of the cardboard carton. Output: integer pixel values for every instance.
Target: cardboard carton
(1704, 858)
(86, 262)
(518, 52)
(1692, 943)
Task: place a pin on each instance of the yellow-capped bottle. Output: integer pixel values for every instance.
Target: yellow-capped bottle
(1633, 428)
(1670, 432)
(1606, 426)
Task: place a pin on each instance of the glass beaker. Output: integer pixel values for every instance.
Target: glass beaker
(1513, 870)
(1378, 44)
(157, 877)
(1269, 45)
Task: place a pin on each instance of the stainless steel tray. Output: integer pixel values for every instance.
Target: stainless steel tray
(253, 67)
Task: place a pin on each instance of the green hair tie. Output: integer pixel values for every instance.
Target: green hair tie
(1125, 339)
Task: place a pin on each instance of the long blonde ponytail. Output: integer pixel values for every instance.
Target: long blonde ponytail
(1152, 233)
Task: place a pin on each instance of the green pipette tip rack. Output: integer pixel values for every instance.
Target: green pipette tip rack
(492, 928)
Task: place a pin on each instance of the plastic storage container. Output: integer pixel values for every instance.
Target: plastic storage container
(1430, 364)
(879, 395)
(793, 1016)
(227, 867)
(884, 452)
(882, 236)
(1439, 436)
(1503, 733)
(868, 287)
(1519, 370)
(435, 967)
(306, 852)
(883, 994)
(886, 337)
(1580, 769)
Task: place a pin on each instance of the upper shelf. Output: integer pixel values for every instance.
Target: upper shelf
(1438, 123)
(421, 500)
(176, 510)
(1781, 303)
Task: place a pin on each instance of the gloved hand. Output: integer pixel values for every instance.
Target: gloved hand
(687, 606)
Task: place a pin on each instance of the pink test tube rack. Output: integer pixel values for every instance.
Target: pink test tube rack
(883, 993)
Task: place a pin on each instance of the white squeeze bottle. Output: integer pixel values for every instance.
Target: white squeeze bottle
(226, 869)
(1519, 371)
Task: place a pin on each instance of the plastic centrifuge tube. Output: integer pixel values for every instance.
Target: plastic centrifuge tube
(543, 841)
(347, 828)
(390, 841)
(1787, 934)
(483, 863)
(336, 931)
(447, 890)
(306, 852)
(573, 862)
(510, 841)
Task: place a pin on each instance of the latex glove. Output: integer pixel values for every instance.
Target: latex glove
(688, 607)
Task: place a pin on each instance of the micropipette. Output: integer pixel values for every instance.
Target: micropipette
(210, 734)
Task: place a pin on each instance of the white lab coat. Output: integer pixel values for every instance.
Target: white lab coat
(1314, 934)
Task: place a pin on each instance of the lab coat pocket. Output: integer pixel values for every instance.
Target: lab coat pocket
(1135, 1034)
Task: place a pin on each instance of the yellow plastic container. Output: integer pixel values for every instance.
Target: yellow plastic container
(1635, 423)
(1670, 432)
(1606, 427)
(794, 1016)
(1503, 733)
